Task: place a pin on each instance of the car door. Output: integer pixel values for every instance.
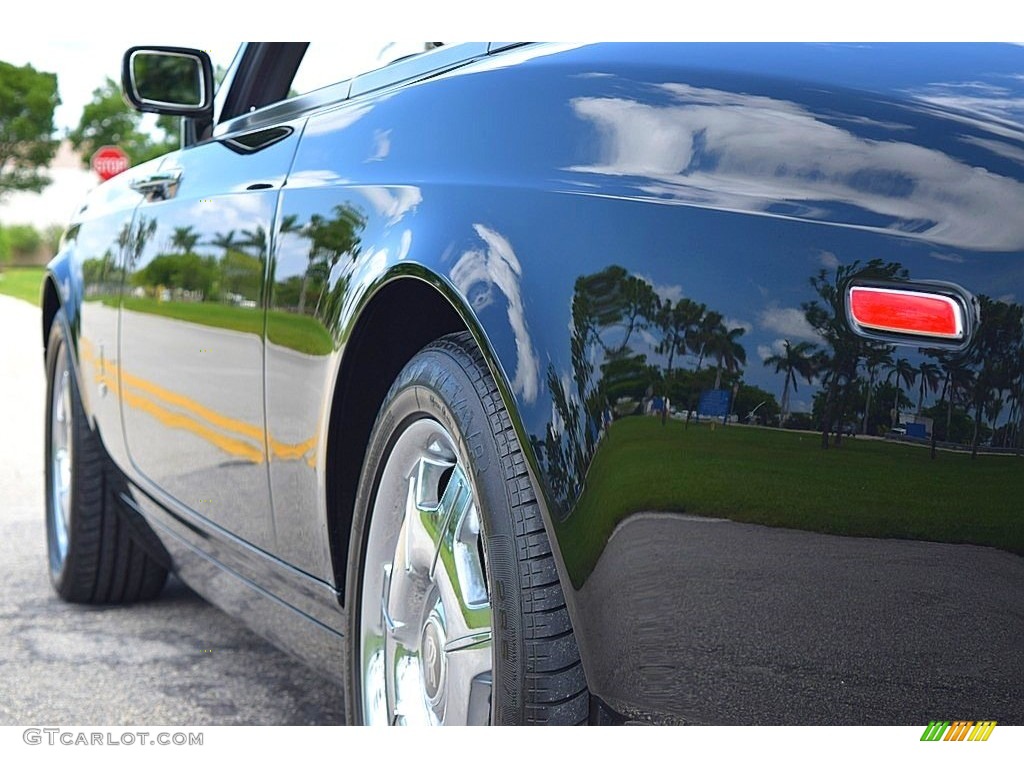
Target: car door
(192, 322)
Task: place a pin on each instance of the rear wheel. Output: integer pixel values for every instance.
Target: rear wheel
(457, 613)
(93, 556)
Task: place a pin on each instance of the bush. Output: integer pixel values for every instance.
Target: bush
(800, 421)
(23, 239)
(5, 248)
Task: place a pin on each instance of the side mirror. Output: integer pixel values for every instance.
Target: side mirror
(168, 81)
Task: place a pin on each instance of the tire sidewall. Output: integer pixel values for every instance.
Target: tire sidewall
(437, 385)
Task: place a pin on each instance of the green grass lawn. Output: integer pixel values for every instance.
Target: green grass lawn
(785, 479)
(298, 332)
(23, 283)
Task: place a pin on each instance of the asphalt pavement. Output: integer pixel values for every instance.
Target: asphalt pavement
(174, 661)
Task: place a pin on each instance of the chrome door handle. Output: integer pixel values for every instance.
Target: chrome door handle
(162, 185)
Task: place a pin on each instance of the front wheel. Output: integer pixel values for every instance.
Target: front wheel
(457, 615)
(93, 555)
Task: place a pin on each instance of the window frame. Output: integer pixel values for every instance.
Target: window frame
(261, 71)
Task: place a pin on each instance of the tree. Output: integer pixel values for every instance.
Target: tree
(930, 375)
(27, 101)
(5, 247)
(796, 360)
(612, 304)
(24, 239)
(1014, 396)
(225, 240)
(709, 328)
(876, 358)
(678, 324)
(107, 119)
(902, 372)
(187, 271)
(727, 351)
(184, 239)
(330, 237)
(755, 405)
(827, 316)
(997, 344)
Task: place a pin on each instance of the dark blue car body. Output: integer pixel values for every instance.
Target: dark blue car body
(558, 202)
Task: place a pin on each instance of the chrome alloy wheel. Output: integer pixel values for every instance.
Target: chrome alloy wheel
(61, 442)
(425, 616)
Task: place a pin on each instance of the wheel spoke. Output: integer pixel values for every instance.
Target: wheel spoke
(60, 459)
(469, 661)
(431, 625)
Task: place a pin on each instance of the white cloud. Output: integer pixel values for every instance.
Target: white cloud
(777, 347)
(828, 260)
(1009, 151)
(407, 244)
(993, 106)
(393, 203)
(319, 177)
(220, 214)
(739, 152)
(731, 323)
(476, 274)
(666, 292)
(788, 322)
(648, 337)
(373, 264)
(952, 257)
(381, 145)
(336, 120)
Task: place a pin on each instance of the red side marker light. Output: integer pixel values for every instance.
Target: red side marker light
(912, 312)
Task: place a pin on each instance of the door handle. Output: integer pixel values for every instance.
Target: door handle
(162, 185)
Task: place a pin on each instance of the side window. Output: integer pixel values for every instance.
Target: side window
(325, 64)
(280, 71)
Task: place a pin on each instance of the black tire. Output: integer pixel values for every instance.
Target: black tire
(101, 560)
(537, 673)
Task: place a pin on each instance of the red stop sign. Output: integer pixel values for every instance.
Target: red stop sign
(109, 161)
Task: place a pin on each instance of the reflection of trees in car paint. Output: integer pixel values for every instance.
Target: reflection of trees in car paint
(227, 268)
(837, 364)
(629, 344)
(328, 240)
(616, 315)
(227, 271)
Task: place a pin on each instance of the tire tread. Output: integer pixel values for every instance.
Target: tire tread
(105, 563)
(556, 688)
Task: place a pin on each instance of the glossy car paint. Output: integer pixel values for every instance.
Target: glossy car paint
(555, 197)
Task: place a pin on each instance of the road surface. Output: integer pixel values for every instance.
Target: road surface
(175, 661)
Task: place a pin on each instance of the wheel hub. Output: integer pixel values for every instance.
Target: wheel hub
(425, 618)
(61, 448)
(432, 660)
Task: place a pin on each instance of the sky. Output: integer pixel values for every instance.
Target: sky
(82, 66)
(83, 45)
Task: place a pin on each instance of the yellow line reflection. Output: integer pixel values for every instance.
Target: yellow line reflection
(194, 417)
(177, 420)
